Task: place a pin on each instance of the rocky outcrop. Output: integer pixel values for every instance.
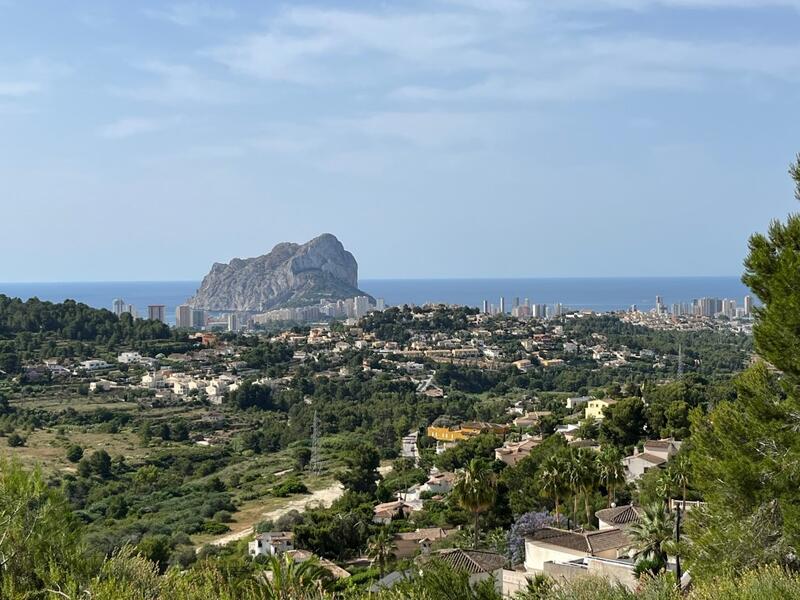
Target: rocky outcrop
(290, 275)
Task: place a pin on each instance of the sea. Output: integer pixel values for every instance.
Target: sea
(599, 294)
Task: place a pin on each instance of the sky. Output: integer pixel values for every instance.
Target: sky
(447, 138)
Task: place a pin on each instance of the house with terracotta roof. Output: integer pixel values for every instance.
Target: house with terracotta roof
(618, 517)
(388, 511)
(418, 542)
(655, 454)
(478, 563)
(551, 544)
(300, 556)
(439, 482)
(513, 452)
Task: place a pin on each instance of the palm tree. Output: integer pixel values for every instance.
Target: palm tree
(552, 478)
(663, 486)
(572, 475)
(651, 534)
(610, 470)
(380, 549)
(292, 580)
(587, 473)
(679, 470)
(474, 490)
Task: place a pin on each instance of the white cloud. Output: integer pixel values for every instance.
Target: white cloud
(302, 43)
(18, 89)
(132, 126)
(177, 84)
(190, 14)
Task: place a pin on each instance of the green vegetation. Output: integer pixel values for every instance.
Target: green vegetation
(131, 481)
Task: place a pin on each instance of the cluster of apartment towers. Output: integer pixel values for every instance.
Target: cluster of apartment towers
(187, 317)
(706, 307)
(524, 309)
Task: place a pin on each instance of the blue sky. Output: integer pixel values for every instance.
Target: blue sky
(450, 138)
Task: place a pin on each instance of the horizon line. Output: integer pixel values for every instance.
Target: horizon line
(511, 278)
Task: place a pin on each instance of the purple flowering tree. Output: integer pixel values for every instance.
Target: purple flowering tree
(525, 525)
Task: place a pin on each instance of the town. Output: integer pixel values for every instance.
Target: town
(530, 394)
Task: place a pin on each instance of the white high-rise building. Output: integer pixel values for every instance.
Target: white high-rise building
(233, 322)
(485, 307)
(380, 304)
(502, 305)
(362, 306)
(119, 306)
(748, 305)
(183, 317)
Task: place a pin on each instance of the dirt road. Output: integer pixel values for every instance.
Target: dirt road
(325, 496)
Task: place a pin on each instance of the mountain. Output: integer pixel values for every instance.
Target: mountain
(290, 275)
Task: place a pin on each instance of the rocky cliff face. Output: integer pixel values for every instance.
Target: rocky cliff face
(290, 275)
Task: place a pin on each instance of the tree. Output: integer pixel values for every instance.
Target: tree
(679, 469)
(100, 463)
(610, 470)
(40, 545)
(588, 429)
(362, 475)
(74, 453)
(475, 490)
(624, 422)
(650, 536)
(587, 473)
(155, 548)
(525, 525)
(293, 580)
(302, 456)
(380, 549)
(745, 459)
(771, 271)
(553, 480)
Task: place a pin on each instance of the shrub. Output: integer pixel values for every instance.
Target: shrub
(290, 486)
(74, 453)
(15, 440)
(215, 528)
(223, 516)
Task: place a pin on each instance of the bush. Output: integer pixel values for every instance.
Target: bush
(215, 528)
(288, 487)
(74, 453)
(223, 516)
(15, 440)
(264, 526)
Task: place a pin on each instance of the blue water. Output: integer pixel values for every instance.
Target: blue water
(600, 294)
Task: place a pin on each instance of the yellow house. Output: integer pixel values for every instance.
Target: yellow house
(465, 430)
(595, 407)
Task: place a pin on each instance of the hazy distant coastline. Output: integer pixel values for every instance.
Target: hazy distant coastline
(600, 294)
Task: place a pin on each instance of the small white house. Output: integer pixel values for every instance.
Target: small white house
(94, 364)
(440, 483)
(101, 385)
(271, 543)
(129, 358)
(153, 380)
